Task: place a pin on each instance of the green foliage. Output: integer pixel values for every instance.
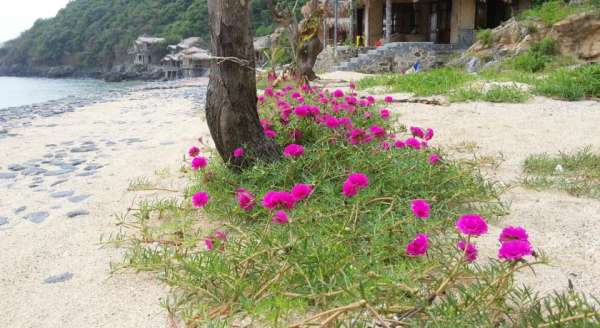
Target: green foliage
(537, 57)
(97, 33)
(577, 173)
(571, 83)
(485, 36)
(436, 81)
(496, 94)
(341, 254)
(553, 11)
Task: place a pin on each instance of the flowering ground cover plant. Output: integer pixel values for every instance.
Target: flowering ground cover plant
(356, 223)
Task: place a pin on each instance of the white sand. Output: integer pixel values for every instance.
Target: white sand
(565, 227)
(30, 252)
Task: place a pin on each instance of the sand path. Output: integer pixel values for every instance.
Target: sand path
(61, 181)
(565, 227)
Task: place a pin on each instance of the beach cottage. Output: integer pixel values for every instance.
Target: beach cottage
(186, 59)
(147, 50)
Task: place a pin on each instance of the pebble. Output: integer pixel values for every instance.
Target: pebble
(37, 217)
(16, 167)
(92, 167)
(84, 149)
(86, 174)
(7, 176)
(20, 209)
(32, 170)
(61, 194)
(59, 278)
(57, 182)
(3, 220)
(80, 198)
(75, 213)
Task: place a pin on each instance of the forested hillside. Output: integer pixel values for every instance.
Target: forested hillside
(95, 34)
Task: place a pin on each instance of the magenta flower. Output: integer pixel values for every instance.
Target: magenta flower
(194, 151)
(199, 163)
(470, 253)
(417, 132)
(221, 235)
(358, 136)
(514, 250)
(209, 244)
(260, 99)
(377, 131)
(354, 183)
(370, 100)
(293, 150)
(280, 217)
(428, 134)
(352, 85)
(351, 100)
(434, 159)
(200, 199)
(420, 208)
(331, 121)
(270, 133)
(384, 113)
(338, 93)
(413, 143)
(472, 224)
(301, 190)
(367, 114)
(296, 134)
(274, 199)
(513, 233)
(302, 111)
(245, 199)
(388, 99)
(418, 246)
(385, 145)
(399, 144)
(238, 152)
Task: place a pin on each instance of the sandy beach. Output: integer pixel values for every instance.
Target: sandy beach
(62, 180)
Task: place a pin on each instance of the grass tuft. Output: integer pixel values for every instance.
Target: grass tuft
(577, 173)
(495, 94)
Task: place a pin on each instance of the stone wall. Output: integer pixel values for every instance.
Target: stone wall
(398, 57)
(326, 59)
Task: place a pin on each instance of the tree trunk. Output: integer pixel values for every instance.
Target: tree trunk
(231, 111)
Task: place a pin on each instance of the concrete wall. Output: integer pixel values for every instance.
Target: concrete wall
(462, 22)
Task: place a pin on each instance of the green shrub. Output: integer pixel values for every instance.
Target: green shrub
(530, 62)
(546, 47)
(426, 83)
(549, 12)
(485, 36)
(337, 254)
(571, 84)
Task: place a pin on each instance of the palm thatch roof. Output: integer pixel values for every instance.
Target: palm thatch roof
(344, 23)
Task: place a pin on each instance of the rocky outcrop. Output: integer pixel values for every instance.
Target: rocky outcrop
(577, 35)
(134, 72)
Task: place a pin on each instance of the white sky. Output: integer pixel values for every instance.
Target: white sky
(17, 16)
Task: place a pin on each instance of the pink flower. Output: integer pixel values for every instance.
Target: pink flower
(399, 144)
(413, 143)
(209, 244)
(302, 111)
(514, 250)
(352, 85)
(384, 113)
(194, 151)
(199, 163)
(280, 218)
(238, 152)
(420, 208)
(358, 136)
(331, 121)
(429, 134)
(470, 253)
(260, 99)
(388, 99)
(385, 145)
(274, 199)
(270, 133)
(220, 235)
(370, 100)
(293, 150)
(417, 132)
(301, 190)
(513, 233)
(472, 224)
(338, 93)
(418, 246)
(434, 159)
(367, 114)
(200, 199)
(351, 100)
(377, 131)
(245, 199)
(354, 183)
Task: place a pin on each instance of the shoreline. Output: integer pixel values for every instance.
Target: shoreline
(62, 181)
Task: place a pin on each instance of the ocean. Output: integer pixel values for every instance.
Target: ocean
(19, 91)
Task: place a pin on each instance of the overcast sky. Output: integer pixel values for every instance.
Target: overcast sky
(17, 16)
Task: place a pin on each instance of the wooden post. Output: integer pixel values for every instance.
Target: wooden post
(335, 29)
(388, 21)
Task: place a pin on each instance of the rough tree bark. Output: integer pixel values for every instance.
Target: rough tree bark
(231, 111)
(303, 36)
